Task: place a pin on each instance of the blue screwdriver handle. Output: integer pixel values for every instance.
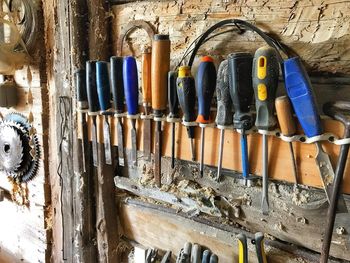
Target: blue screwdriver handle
(300, 93)
(103, 85)
(131, 85)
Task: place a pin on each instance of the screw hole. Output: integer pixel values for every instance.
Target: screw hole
(7, 148)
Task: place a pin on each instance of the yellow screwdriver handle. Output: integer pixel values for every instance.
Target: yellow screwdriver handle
(284, 116)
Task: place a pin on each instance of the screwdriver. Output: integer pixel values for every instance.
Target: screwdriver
(173, 110)
(224, 108)
(265, 82)
(94, 107)
(104, 97)
(186, 94)
(241, 90)
(242, 249)
(80, 83)
(118, 99)
(147, 99)
(131, 97)
(259, 246)
(287, 125)
(160, 68)
(206, 80)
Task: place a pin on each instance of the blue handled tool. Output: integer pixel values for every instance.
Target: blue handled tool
(301, 95)
(104, 97)
(206, 80)
(131, 91)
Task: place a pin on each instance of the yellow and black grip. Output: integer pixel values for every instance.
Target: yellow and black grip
(160, 66)
(259, 245)
(242, 249)
(265, 82)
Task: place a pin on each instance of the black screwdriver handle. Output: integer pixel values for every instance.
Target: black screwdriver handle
(265, 82)
(224, 103)
(117, 84)
(80, 84)
(186, 93)
(172, 95)
(91, 86)
(241, 88)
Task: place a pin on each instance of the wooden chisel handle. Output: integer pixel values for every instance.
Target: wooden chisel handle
(160, 68)
(146, 76)
(284, 116)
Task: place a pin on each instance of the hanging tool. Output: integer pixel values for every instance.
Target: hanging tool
(94, 107)
(265, 82)
(214, 259)
(241, 90)
(336, 110)
(206, 80)
(287, 126)
(242, 249)
(259, 246)
(206, 256)
(300, 93)
(131, 91)
(104, 97)
(118, 99)
(224, 108)
(167, 257)
(185, 254)
(173, 110)
(196, 253)
(186, 93)
(147, 100)
(82, 105)
(160, 68)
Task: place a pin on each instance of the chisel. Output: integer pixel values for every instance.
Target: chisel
(131, 97)
(173, 110)
(159, 68)
(242, 249)
(206, 81)
(80, 84)
(241, 90)
(186, 93)
(265, 82)
(301, 95)
(146, 99)
(260, 249)
(287, 126)
(94, 107)
(104, 98)
(118, 101)
(224, 113)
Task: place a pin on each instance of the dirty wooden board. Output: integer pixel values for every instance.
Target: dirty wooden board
(317, 30)
(154, 226)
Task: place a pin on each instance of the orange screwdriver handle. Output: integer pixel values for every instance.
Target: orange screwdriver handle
(160, 68)
(146, 76)
(284, 116)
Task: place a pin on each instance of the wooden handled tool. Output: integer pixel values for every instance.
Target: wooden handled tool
(160, 68)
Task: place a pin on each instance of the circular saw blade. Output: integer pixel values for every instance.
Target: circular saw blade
(11, 150)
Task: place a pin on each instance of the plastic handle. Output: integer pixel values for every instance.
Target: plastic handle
(241, 88)
(117, 83)
(186, 93)
(284, 116)
(146, 76)
(206, 80)
(206, 256)
(242, 249)
(224, 103)
(300, 93)
(160, 68)
(80, 84)
(265, 82)
(103, 86)
(259, 245)
(214, 259)
(91, 88)
(131, 85)
(172, 95)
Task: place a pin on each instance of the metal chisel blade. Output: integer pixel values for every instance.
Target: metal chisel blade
(327, 176)
(147, 139)
(94, 142)
(133, 145)
(265, 197)
(84, 140)
(120, 135)
(107, 141)
(157, 154)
